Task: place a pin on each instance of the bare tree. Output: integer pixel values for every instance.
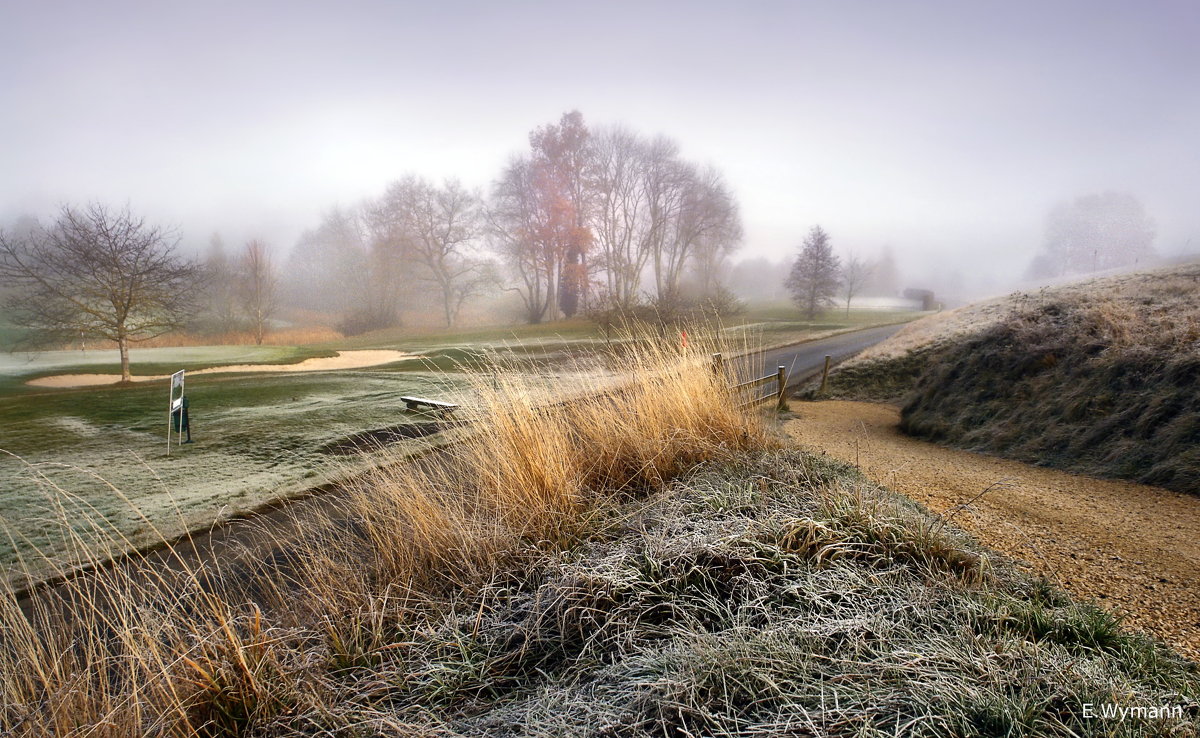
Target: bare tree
(258, 287)
(650, 207)
(441, 228)
(715, 228)
(101, 273)
(856, 272)
(814, 278)
(522, 225)
(621, 219)
(665, 179)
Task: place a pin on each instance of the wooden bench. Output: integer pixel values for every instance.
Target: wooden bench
(415, 403)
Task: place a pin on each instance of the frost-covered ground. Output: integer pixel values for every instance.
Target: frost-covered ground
(974, 318)
(89, 454)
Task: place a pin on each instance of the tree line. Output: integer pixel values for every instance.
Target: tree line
(583, 220)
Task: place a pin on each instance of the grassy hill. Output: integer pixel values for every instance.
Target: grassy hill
(1101, 376)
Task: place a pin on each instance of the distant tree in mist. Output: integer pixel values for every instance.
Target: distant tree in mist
(221, 306)
(759, 278)
(257, 287)
(349, 266)
(100, 273)
(816, 274)
(581, 220)
(856, 272)
(885, 277)
(1094, 233)
(441, 230)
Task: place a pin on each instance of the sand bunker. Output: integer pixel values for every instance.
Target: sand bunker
(344, 360)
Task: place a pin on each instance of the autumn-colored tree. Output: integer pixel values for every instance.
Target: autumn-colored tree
(560, 158)
(537, 218)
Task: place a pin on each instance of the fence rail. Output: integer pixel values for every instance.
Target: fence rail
(779, 377)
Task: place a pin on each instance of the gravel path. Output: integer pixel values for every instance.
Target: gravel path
(1135, 549)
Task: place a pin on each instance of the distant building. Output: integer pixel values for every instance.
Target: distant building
(925, 297)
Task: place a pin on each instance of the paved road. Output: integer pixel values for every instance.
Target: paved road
(806, 359)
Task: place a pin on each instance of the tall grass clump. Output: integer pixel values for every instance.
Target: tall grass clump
(175, 642)
(542, 460)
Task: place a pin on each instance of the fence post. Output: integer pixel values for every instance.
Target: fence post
(718, 365)
(781, 377)
(824, 375)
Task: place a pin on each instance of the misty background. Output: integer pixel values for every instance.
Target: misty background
(946, 132)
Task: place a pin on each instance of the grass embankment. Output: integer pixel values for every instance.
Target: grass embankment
(1099, 377)
(644, 563)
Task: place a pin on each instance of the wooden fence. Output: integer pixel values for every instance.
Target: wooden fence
(779, 377)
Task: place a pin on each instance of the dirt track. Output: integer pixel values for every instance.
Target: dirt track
(1133, 548)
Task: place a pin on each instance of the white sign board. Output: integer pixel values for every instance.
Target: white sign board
(175, 405)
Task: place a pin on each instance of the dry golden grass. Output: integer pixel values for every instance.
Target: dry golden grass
(220, 647)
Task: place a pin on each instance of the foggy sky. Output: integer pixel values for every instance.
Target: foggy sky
(945, 129)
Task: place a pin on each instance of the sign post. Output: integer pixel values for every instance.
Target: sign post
(175, 406)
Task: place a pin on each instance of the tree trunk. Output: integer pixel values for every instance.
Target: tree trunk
(550, 312)
(123, 347)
